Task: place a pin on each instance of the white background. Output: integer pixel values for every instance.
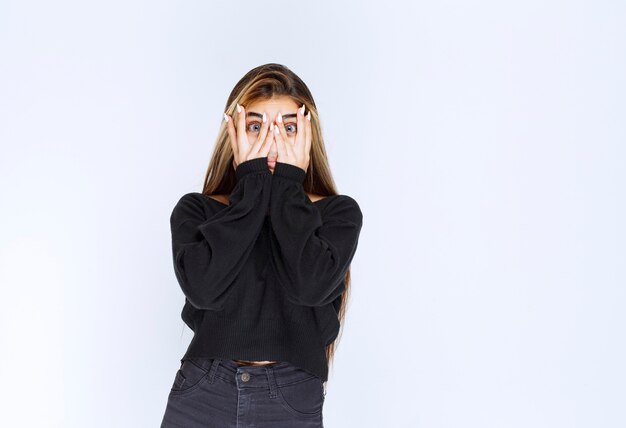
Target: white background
(484, 142)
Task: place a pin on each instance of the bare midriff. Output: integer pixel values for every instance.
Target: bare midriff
(254, 363)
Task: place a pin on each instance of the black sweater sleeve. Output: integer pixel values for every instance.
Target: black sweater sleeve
(310, 252)
(210, 245)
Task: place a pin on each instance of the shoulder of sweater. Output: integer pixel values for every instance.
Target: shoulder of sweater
(192, 199)
(198, 198)
(343, 206)
(193, 204)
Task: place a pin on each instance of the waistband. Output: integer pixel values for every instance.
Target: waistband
(253, 363)
(253, 376)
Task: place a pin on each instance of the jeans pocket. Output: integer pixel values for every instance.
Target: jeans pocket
(189, 377)
(303, 397)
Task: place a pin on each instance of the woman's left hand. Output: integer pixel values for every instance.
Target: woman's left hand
(298, 152)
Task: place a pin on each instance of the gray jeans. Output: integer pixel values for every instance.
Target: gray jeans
(222, 393)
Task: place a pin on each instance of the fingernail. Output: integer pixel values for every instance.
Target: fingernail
(238, 108)
(225, 117)
(308, 116)
(271, 126)
(276, 130)
(280, 117)
(302, 109)
(264, 118)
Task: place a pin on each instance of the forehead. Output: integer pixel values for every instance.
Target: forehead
(276, 104)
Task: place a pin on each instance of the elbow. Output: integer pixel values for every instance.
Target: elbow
(197, 293)
(195, 275)
(201, 302)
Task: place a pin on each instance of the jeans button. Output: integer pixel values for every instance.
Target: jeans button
(245, 377)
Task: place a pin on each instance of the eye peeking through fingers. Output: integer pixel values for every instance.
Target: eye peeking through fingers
(254, 127)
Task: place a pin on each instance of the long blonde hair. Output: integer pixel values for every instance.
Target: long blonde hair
(262, 83)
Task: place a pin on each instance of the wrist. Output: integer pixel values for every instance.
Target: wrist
(289, 171)
(251, 166)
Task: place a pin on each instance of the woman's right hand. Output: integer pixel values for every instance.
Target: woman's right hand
(243, 150)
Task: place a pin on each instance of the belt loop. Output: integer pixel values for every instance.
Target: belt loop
(271, 381)
(216, 363)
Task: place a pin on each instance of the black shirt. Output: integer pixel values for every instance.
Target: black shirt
(263, 276)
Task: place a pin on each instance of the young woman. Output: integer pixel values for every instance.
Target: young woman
(263, 257)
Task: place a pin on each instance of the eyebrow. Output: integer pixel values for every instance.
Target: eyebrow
(255, 114)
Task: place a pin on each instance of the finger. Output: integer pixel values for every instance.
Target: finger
(232, 136)
(242, 137)
(260, 143)
(281, 128)
(283, 155)
(273, 148)
(308, 135)
(269, 143)
(300, 132)
(288, 148)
